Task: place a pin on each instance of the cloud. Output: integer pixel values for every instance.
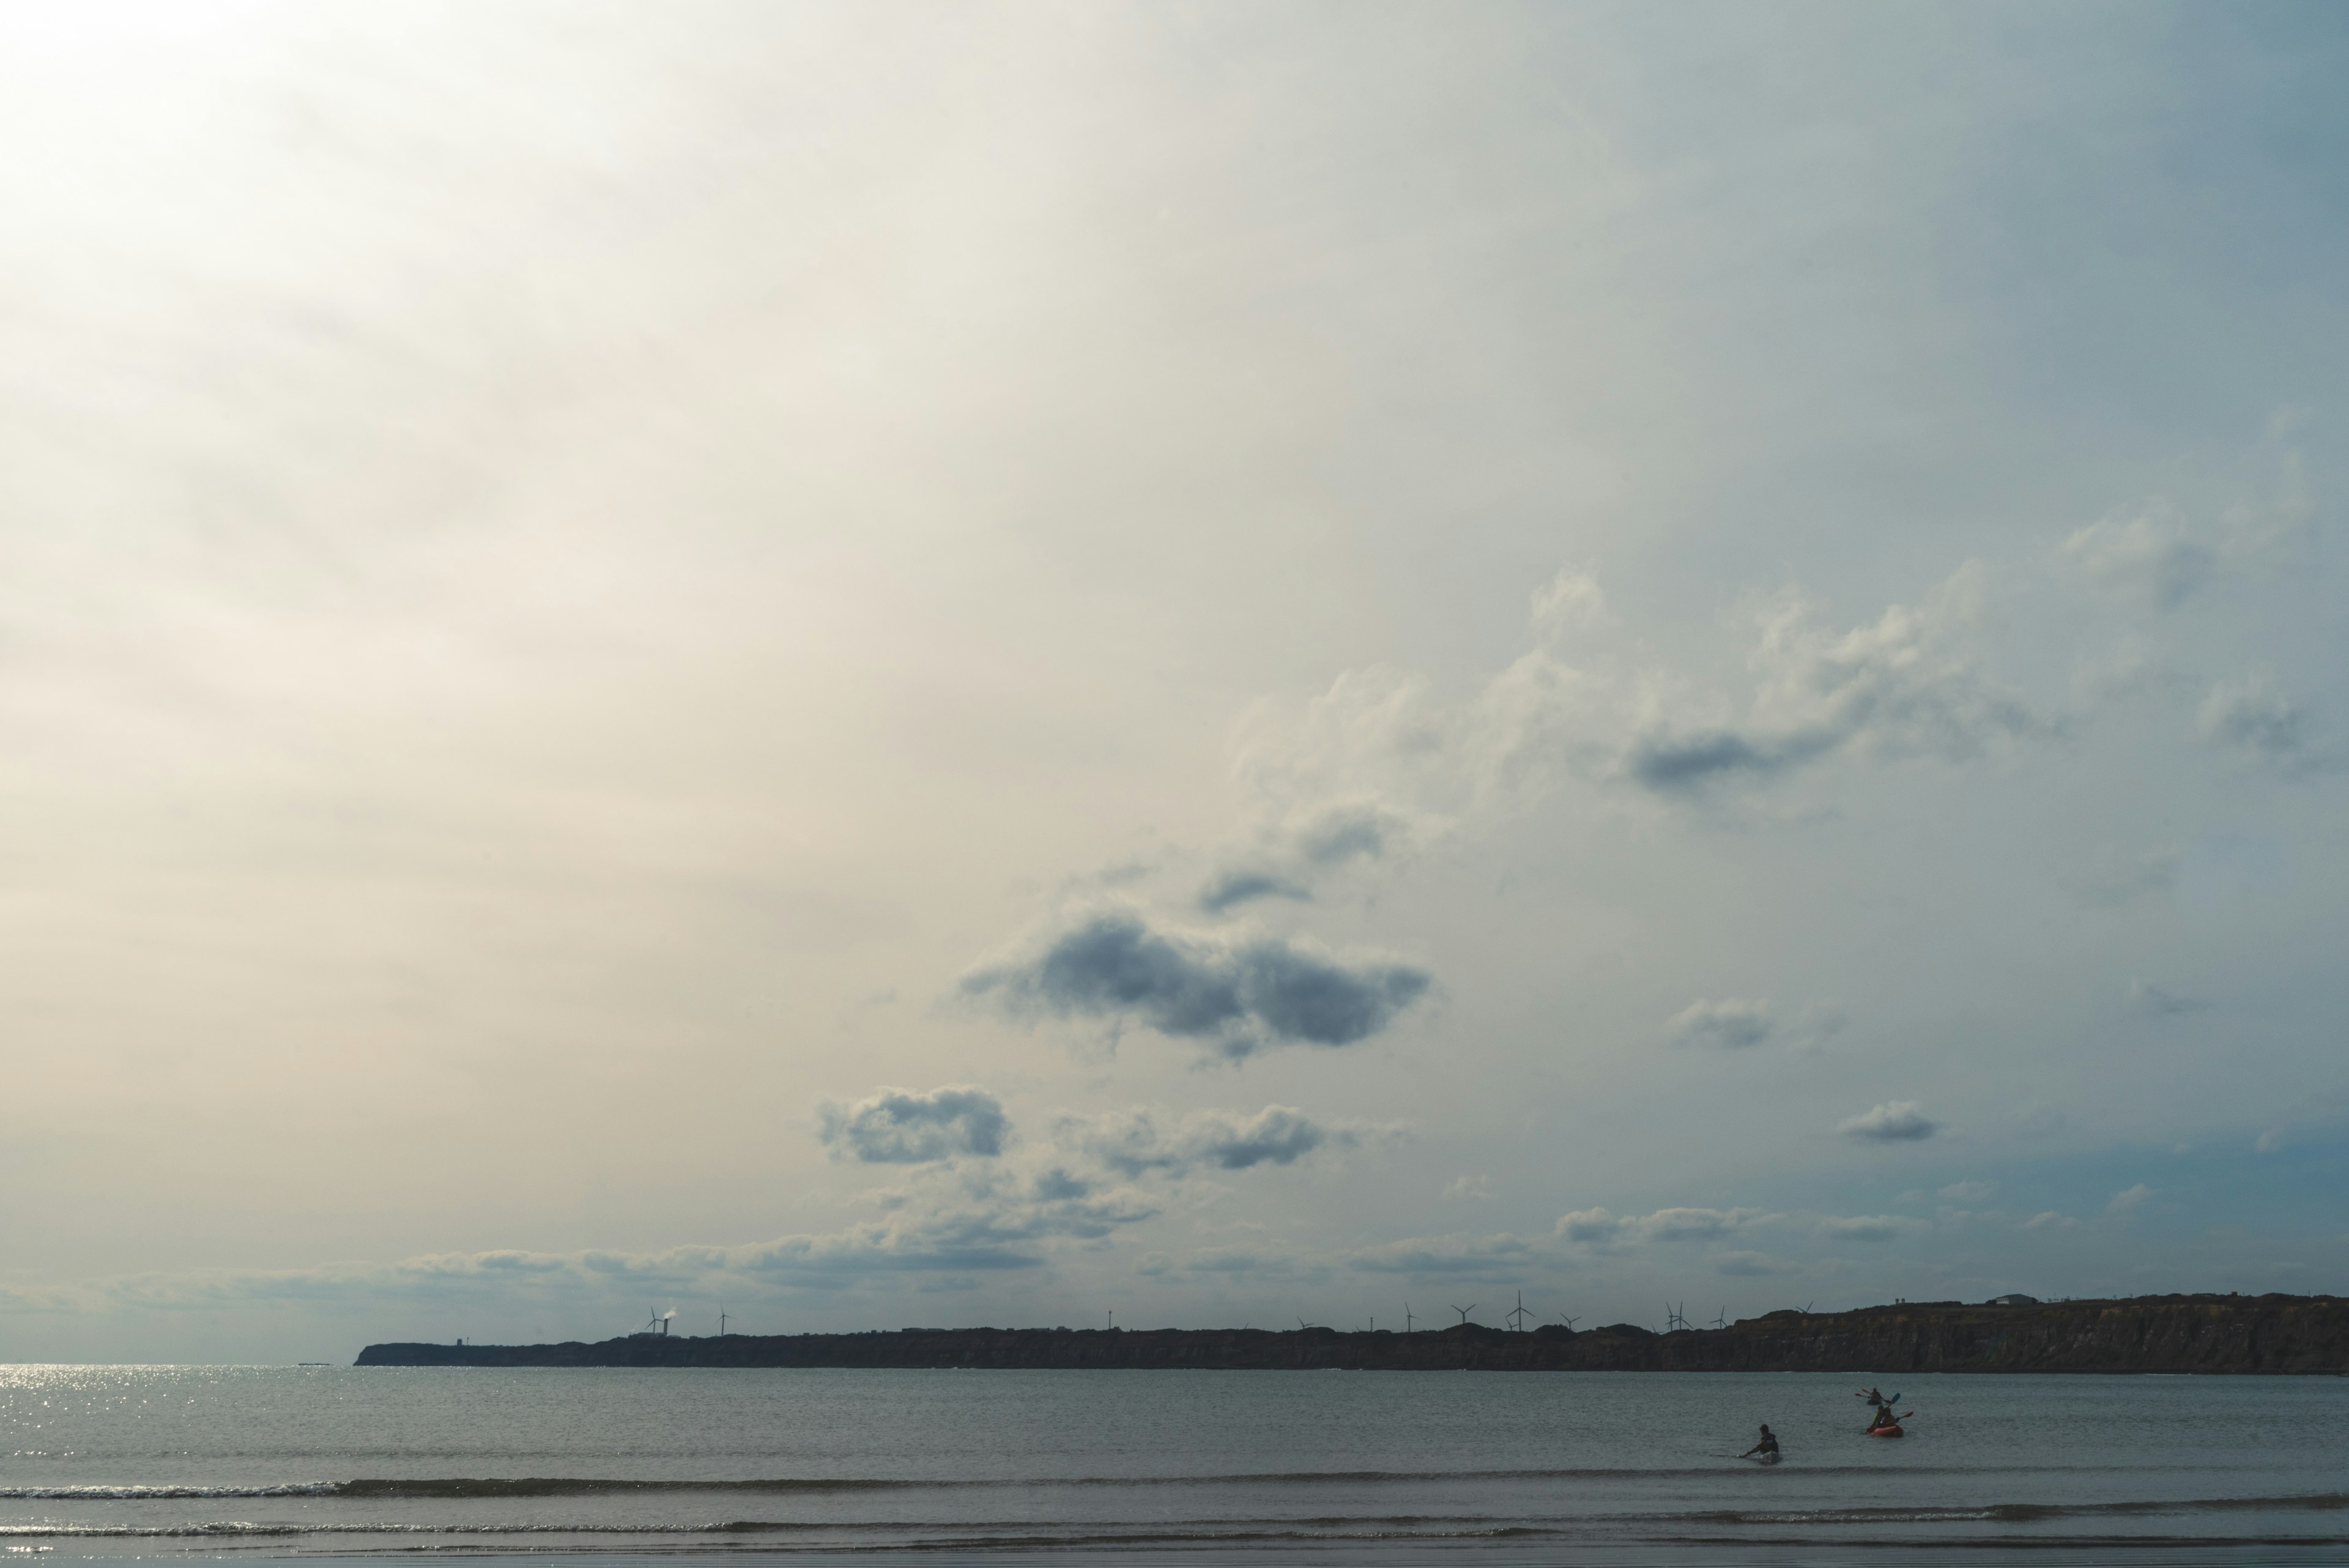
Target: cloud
(1244, 884)
(2147, 997)
(983, 1233)
(1245, 1259)
(1592, 1227)
(2034, 1118)
(2148, 557)
(1240, 994)
(1864, 1227)
(1293, 856)
(1569, 605)
(1896, 1121)
(1136, 1141)
(1750, 1265)
(2253, 715)
(1896, 687)
(2049, 1219)
(1966, 1191)
(1733, 1025)
(2120, 878)
(2129, 1200)
(1475, 1256)
(1468, 1189)
(2267, 1142)
(1597, 1228)
(898, 1126)
(1690, 1224)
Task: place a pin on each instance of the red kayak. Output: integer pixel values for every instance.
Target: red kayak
(1892, 1431)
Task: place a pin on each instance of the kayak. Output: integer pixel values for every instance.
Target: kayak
(1893, 1431)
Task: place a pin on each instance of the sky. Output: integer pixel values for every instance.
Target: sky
(896, 664)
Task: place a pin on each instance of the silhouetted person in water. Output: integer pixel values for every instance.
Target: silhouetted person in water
(1766, 1450)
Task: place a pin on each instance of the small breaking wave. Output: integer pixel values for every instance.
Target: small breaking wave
(453, 1487)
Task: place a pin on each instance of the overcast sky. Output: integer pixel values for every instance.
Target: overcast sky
(889, 664)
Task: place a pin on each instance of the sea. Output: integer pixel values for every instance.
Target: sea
(601, 1465)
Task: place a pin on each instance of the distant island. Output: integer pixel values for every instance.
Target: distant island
(2208, 1333)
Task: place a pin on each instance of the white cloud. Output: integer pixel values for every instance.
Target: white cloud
(1900, 687)
(1896, 1121)
(2129, 1200)
(1570, 605)
(1732, 1023)
(2049, 1219)
(2148, 555)
(1865, 1227)
(1966, 1191)
(1468, 1189)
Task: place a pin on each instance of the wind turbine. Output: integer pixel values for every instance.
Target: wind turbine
(1568, 1321)
(1720, 1318)
(1673, 1318)
(1516, 1318)
(1464, 1311)
(1407, 1317)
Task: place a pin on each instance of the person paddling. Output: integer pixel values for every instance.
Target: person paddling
(1766, 1450)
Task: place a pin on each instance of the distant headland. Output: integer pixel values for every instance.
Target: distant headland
(2207, 1334)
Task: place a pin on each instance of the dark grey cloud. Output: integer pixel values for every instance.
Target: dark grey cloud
(898, 1127)
(1240, 994)
(1666, 763)
(1244, 885)
(1896, 1121)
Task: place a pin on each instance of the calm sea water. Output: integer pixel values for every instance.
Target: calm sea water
(1233, 1467)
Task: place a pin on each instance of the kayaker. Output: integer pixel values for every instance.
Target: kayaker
(1766, 1450)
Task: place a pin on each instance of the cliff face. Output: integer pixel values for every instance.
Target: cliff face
(2147, 1334)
